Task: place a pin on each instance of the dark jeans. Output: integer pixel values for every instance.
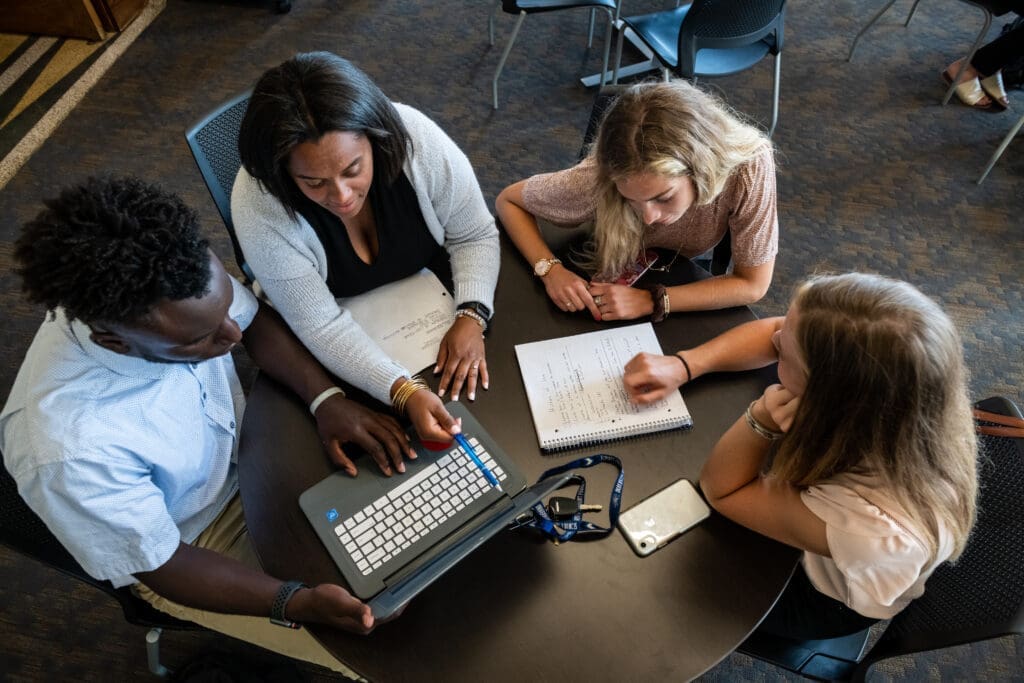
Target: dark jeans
(805, 613)
(994, 56)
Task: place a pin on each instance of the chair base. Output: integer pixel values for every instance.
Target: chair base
(1002, 148)
(519, 23)
(830, 659)
(153, 654)
(967, 60)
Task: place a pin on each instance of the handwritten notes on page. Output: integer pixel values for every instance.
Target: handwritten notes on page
(574, 387)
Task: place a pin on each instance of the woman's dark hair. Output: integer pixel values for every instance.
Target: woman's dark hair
(110, 249)
(309, 95)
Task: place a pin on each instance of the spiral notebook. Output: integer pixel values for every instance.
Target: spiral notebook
(574, 387)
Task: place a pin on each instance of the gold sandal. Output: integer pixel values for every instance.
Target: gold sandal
(969, 92)
(993, 87)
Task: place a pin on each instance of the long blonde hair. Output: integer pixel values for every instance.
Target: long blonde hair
(671, 129)
(887, 395)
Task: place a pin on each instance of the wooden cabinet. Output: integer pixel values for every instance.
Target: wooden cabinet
(88, 19)
(117, 14)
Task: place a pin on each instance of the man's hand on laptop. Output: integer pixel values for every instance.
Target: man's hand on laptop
(341, 421)
(332, 605)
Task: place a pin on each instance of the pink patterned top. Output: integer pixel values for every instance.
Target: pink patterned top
(746, 207)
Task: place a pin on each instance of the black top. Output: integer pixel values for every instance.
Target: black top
(405, 245)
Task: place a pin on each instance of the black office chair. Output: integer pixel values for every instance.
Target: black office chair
(213, 140)
(524, 7)
(989, 7)
(23, 531)
(711, 38)
(978, 598)
(721, 256)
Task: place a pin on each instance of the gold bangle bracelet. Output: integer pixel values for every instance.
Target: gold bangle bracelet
(402, 395)
(404, 392)
(398, 400)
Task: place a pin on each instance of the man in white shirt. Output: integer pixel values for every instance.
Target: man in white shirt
(121, 429)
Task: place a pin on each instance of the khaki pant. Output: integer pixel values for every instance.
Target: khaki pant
(228, 536)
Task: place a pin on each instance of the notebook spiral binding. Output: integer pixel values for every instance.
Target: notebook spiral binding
(606, 434)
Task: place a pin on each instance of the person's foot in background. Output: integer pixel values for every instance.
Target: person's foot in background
(968, 87)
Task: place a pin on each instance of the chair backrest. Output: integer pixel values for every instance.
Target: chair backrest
(996, 7)
(728, 24)
(214, 144)
(722, 255)
(22, 531)
(982, 595)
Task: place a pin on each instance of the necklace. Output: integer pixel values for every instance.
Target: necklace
(665, 269)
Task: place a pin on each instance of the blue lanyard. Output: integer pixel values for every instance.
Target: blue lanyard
(575, 527)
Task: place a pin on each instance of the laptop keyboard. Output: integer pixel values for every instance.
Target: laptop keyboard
(391, 524)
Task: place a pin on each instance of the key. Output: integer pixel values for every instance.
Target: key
(561, 507)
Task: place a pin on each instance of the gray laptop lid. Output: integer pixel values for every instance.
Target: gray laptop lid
(339, 498)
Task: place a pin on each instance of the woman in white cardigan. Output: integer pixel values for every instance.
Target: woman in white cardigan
(342, 191)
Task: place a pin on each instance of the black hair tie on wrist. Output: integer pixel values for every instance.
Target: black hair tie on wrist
(689, 375)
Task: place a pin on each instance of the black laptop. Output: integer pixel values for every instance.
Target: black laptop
(391, 537)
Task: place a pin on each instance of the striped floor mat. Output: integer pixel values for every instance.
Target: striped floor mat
(42, 78)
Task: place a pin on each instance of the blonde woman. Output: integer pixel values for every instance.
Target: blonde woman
(863, 455)
(673, 169)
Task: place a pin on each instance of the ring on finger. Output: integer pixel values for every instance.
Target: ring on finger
(598, 300)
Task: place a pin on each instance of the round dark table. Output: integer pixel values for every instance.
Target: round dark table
(518, 608)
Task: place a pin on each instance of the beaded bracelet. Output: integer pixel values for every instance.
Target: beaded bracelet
(404, 392)
(470, 313)
(659, 297)
(759, 428)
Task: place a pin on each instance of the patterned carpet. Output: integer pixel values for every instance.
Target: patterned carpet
(873, 175)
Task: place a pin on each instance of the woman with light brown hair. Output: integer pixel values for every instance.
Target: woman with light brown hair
(863, 455)
(672, 169)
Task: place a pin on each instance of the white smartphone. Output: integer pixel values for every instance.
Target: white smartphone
(662, 516)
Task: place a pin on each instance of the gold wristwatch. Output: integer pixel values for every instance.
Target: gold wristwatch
(541, 267)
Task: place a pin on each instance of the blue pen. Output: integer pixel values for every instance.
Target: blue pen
(477, 461)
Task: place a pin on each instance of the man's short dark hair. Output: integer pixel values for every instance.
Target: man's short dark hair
(110, 249)
(303, 99)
